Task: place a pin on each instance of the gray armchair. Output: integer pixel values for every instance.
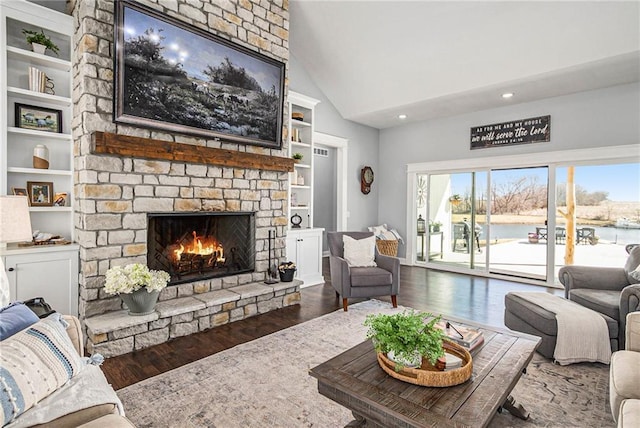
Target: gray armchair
(610, 291)
(351, 282)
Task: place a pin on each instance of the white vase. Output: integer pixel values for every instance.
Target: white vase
(41, 157)
(38, 48)
(414, 362)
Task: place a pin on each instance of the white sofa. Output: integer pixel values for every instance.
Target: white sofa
(624, 377)
(85, 400)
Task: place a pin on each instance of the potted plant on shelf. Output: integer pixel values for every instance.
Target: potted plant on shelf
(287, 270)
(435, 226)
(406, 337)
(297, 157)
(137, 286)
(39, 41)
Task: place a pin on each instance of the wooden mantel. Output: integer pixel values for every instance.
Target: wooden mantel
(149, 148)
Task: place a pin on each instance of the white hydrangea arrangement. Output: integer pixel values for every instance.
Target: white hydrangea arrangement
(132, 277)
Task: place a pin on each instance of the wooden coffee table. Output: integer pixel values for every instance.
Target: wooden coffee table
(355, 380)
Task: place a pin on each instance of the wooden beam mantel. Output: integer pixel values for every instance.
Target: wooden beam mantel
(138, 147)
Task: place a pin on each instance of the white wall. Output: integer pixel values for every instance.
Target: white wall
(600, 118)
(362, 149)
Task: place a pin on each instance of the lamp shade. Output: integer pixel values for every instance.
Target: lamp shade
(15, 222)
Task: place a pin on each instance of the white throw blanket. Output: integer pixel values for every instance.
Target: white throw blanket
(582, 333)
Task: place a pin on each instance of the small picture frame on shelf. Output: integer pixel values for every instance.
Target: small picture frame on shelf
(21, 191)
(60, 199)
(40, 193)
(38, 118)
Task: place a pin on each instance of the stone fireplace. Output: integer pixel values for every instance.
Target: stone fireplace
(197, 246)
(118, 197)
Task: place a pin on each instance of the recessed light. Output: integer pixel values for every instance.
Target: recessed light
(507, 95)
(402, 116)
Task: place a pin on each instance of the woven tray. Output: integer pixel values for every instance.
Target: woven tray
(387, 247)
(427, 375)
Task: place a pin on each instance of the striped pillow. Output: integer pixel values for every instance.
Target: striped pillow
(33, 364)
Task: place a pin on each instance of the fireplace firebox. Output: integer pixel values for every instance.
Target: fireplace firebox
(197, 246)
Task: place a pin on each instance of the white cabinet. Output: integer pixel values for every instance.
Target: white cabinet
(301, 128)
(19, 138)
(304, 247)
(48, 272)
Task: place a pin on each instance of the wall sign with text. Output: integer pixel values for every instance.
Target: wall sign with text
(523, 131)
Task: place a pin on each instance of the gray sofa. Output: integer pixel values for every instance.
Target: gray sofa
(624, 377)
(608, 290)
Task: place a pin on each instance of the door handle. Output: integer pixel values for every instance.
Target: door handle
(11, 269)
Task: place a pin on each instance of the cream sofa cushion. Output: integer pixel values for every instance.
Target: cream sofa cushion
(624, 378)
(629, 415)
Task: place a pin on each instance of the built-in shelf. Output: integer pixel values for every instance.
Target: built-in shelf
(299, 123)
(301, 165)
(39, 96)
(19, 170)
(298, 144)
(38, 59)
(49, 209)
(43, 134)
(300, 207)
(295, 186)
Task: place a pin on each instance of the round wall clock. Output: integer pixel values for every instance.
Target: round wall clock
(366, 178)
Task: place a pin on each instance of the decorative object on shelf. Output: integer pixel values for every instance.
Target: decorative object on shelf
(137, 286)
(300, 180)
(40, 193)
(41, 157)
(271, 270)
(49, 86)
(366, 179)
(295, 135)
(296, 115)
(297, 157)
(38, 118)
(20, 191)
(60, 199)
(296, 220)
(37, 79)
(435, 227)
(239, 95)
(40, 42)
(409, 335)
(287, 271)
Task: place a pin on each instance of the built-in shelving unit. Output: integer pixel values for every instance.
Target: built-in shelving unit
(304, 244)
(48, 271)
(17, 143)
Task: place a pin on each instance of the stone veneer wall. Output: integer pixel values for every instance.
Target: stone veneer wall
(112, 195)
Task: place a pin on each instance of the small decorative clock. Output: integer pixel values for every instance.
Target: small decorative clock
(295, 221)
(366, 178)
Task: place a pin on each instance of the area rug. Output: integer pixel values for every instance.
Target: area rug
(265, 383)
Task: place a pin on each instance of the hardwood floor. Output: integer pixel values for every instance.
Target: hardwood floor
(462, 296)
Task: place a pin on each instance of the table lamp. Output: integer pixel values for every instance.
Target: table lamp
(15, 226)
(15, 222)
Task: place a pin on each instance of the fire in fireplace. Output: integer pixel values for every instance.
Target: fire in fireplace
(195, 246)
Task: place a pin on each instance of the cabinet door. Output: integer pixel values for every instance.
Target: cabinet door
(309, 262)
(52, 276)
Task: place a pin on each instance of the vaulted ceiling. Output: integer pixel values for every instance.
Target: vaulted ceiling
(375, 60)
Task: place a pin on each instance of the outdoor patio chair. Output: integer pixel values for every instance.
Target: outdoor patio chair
(608, 290)
(351, 281)
(586, 235)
